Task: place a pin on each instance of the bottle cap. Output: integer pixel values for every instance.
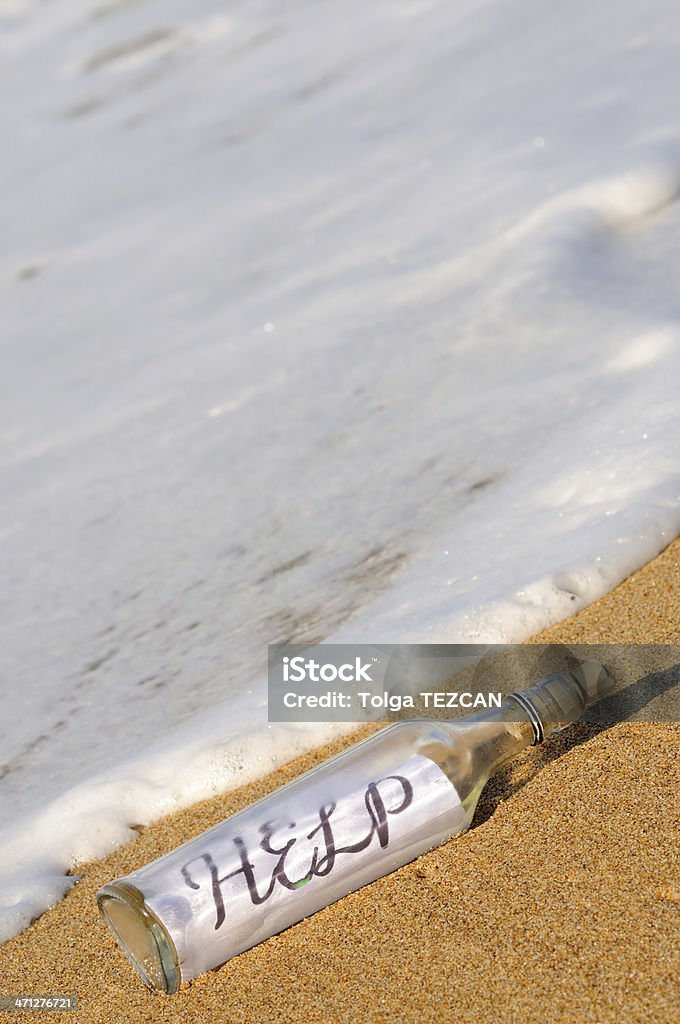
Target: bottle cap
(595, 680)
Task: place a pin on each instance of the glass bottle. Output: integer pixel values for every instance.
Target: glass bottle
(362, 814)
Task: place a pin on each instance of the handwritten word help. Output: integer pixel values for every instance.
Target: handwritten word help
(292, 863)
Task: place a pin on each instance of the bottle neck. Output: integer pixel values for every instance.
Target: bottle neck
(560, 699)
(481, 743)
(500, 733)
(484, 741)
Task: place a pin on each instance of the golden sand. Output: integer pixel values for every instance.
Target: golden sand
(561, 904)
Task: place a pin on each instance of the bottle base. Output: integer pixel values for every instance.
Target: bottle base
(140, 935)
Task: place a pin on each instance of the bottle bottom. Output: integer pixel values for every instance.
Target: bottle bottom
(142, 938)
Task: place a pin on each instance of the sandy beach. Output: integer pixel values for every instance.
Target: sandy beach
(560, 904)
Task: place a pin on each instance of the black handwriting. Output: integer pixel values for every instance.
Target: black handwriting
(324, 855)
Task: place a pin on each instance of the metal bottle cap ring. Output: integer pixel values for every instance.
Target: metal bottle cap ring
(536, 722)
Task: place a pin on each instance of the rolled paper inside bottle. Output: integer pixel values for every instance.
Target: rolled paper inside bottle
(287, 856)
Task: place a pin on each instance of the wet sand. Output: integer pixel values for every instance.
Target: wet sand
(560, 904)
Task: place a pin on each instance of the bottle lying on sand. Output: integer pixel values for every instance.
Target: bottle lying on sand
(360, 815)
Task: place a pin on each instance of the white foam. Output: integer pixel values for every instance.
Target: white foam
(356, 324)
